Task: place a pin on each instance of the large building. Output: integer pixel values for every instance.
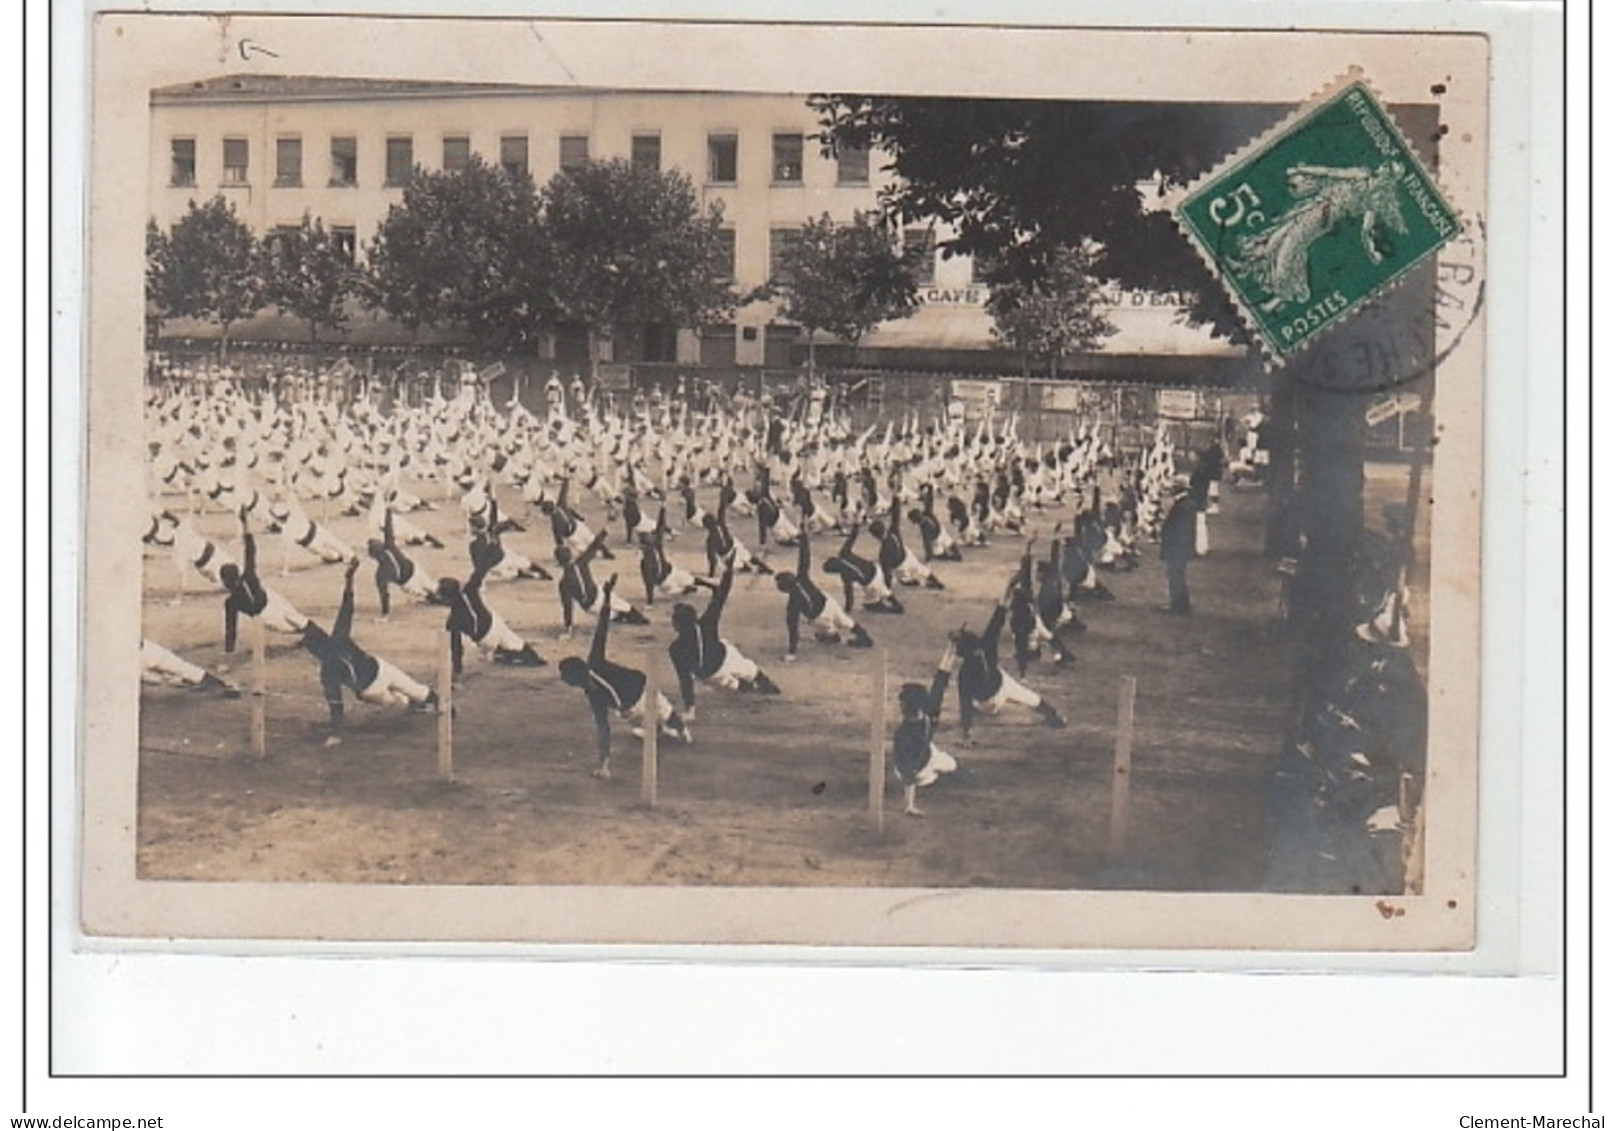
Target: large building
(341, 149)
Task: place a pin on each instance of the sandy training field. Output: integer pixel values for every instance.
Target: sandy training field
(774, 790)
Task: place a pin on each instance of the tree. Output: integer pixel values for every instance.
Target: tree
(844, 279)
(157, 258)
(1018, 180)
(308, 275)
(464, 249)
(631, 246)
(1052, 317)
(206, 266)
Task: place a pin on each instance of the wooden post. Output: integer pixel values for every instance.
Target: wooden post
(877, 741)
(651, 724)
(1121, 779)
(445, 709)
(259, 686)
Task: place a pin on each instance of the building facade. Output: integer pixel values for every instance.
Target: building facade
(341, 150)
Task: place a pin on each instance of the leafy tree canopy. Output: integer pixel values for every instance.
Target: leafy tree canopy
(205, 266)
(844, 278)
(463, 248)
(1018, 180)
(632, 246)
(1054, 317)
(308, 274)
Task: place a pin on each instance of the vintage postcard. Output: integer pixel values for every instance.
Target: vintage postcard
(853, 486)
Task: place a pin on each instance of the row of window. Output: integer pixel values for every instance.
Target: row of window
(645, 151)
(919, 245)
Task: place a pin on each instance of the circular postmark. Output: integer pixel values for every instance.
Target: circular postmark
(1407, 330)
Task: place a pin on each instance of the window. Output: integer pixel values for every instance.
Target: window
(726, 254)
(647, 152)
(574, 151)
(659, 342)
(456, 153)
(780, 242)
(235, 160)
(513, 154)
(288, 162)
(787, 158)
(346, 241)
(723, 158)
(718, 345)
(400, 160)
(852, 167)
(919, 249)
(344, 162)
(182, 162)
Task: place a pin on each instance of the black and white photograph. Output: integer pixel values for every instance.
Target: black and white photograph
(542, 490)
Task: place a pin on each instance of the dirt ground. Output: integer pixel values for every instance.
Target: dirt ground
(774, 790)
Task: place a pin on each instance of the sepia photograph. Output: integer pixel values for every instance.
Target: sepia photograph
(545, 487)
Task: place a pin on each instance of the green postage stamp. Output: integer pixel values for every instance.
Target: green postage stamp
(1317, 217)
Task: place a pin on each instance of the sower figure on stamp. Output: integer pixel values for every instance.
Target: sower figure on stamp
(1177, 546)
(700, 652)
(915, 756)
(612, 687)
(984, 687)
(344, 666)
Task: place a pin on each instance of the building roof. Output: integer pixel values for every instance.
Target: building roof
(293, 88)
(318, 88)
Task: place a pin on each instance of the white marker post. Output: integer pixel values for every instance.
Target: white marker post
(877, 741)
(259, 691)
(445, 709)
(647, 778)
(1121, 778)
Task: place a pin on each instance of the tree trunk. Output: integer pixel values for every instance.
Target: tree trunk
(1280, 475)
(811, 360)
(1329, 511)
(224, 341)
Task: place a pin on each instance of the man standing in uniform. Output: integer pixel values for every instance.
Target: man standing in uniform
(1177, 546)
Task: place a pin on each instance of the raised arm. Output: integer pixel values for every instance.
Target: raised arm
(591, 551)
(602, 625)
(602, 724)
(473, 585)
(990, 635)
(850, 541)
(793, 624)
(343, 628)
(721, 594)
(939, 684)
(566, 602)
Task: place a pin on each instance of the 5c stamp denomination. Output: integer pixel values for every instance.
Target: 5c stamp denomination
(1315, 219)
